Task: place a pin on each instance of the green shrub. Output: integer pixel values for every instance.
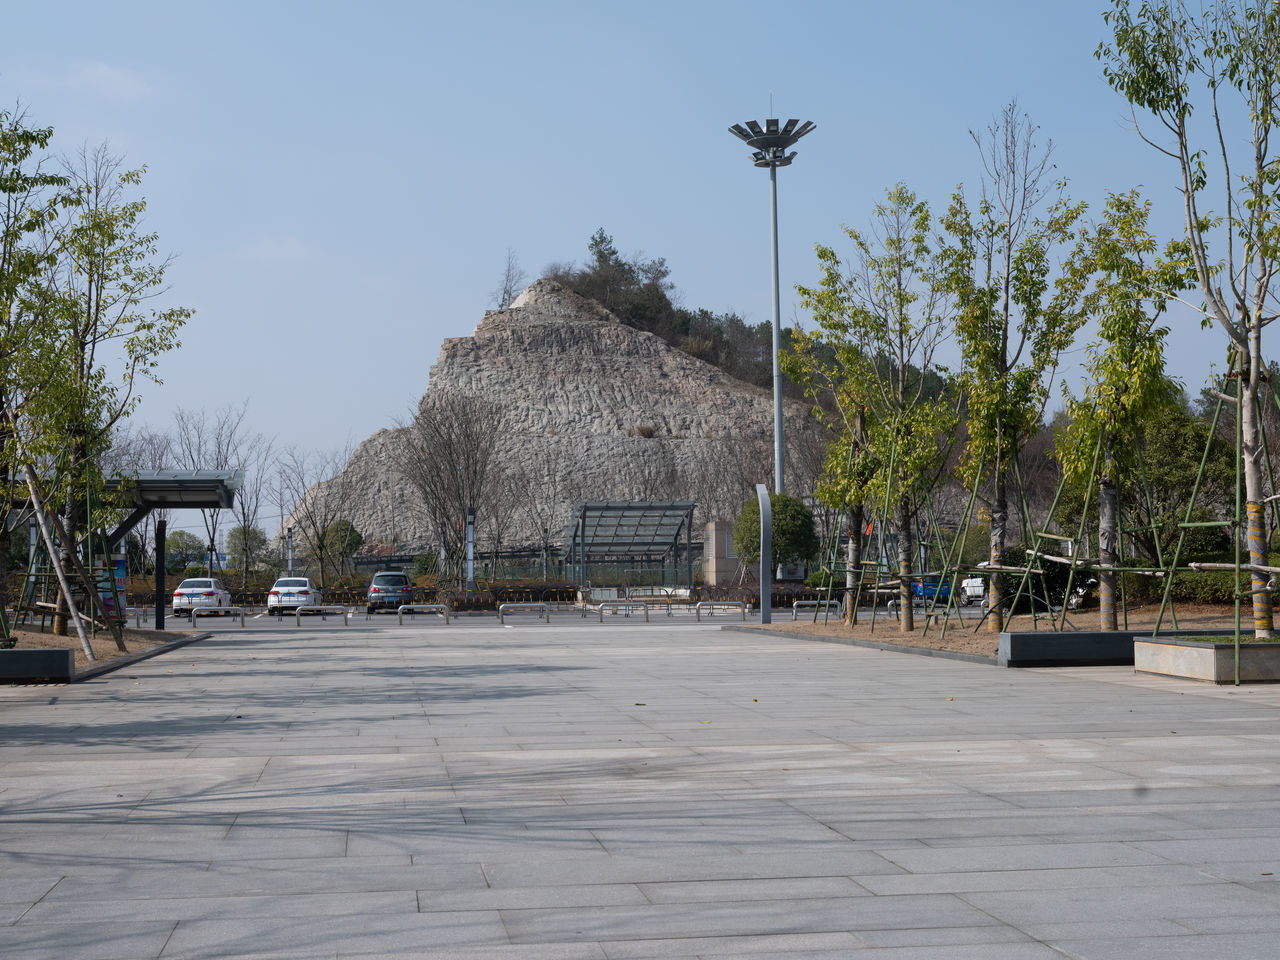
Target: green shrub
(793, 537)
(822, 579)
(1210, 586)
(1052, 582)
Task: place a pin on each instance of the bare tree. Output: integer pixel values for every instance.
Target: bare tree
(449, 459)
(718, 482)
(217, 442)
(321, 492)
(513, 281)
(550, 488)
(252, 496)
(499, 513)
(142, 449)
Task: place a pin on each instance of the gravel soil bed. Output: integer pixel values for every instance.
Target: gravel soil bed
(104, 647)
(961, 636)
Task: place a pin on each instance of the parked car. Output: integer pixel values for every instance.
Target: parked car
(931, 588)
(388, 590)
(290, 593)
(199, 592)
(973, 590)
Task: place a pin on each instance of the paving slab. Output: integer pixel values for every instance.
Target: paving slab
(629, 790)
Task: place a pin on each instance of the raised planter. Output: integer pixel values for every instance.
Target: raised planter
(57, 665)
(1211, 662)
(1075, 648)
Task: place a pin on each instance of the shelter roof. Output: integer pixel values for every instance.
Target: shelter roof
(209, 489)
(628, 529)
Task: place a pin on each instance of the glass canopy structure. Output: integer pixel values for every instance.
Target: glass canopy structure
(629, 531)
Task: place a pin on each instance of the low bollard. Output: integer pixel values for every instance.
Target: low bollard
(202, 611)
(625, 605)
(422, 608)
(543, 608)
(813, 604)
(320, 608)
(711, 608)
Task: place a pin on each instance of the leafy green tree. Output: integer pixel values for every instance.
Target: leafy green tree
(340, 542)
(1173, 443)
(640, 293)
(1013, 321)
(880, 319)
(182, 548)
(1166, 61)
(246, 545)
(98, 338)
(1168, 440)
(1125, 369)
(32, 198)
(794, 539)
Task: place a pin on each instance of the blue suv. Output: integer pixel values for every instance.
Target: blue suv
(931, 588)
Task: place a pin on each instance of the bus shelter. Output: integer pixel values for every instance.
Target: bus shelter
(614, 532)
(151, 490)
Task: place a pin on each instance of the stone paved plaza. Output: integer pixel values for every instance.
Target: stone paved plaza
(628, 791)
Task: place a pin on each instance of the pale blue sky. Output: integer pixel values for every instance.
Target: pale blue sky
(340, 182)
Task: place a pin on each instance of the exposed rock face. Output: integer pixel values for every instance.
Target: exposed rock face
(597, 411)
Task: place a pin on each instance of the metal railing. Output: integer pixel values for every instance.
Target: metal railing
(711, 605)
(202, 611)
(320, 608)
(624, 605)
(543, 608)
(422, 608)
(813, 605)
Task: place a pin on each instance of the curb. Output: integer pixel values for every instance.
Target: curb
(89, 673)
(873, 645)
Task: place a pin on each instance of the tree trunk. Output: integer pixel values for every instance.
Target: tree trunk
(1108, 542)
(1255, 491)
(63, 560)
(906, 543)
(999, 523)
(49, 542)
(853, 560)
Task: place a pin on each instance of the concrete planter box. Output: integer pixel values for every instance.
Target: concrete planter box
(1075, 648)
(28, 665)
(1046, 648)
(1212, 662)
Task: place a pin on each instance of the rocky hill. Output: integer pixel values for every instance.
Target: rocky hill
(596, 410)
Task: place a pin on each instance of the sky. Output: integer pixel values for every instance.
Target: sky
(339, 183)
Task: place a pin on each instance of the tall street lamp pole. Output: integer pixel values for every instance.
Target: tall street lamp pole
(769, 146)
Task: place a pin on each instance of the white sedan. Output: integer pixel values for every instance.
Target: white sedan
(199, 592)
(290, 593)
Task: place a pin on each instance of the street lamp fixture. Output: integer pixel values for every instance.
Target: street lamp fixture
(769, 149)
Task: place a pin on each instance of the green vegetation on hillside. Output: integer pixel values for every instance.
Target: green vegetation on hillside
(640, 293)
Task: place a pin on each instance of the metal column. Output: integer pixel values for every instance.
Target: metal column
(161, 525)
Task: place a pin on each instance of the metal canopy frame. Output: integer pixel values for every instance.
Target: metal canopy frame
(165, 489)
(614, 530)
(161, 489)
